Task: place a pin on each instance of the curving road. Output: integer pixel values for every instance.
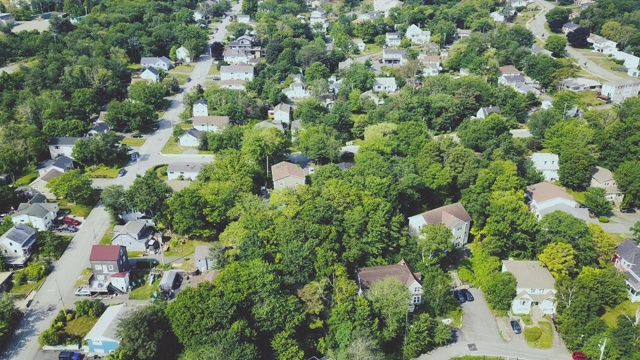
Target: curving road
(59, 286)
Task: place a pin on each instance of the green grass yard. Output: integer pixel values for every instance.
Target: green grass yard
(83, 279)
(24, 289)
(546, 339)
(80, 326)
(187, 69)
(173, 147)
(27, 179)
(611, 314)
(108, 235)
(213, 70)
(133, 142)
(104, 172)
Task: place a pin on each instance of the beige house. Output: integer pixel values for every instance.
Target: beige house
(453, 216)
(534, 287)
(287, 175)
(401, 271)
(603, 178)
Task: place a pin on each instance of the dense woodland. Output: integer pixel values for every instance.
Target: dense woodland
(287, 289)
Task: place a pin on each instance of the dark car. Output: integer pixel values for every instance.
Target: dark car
(66, 355)
(579, 356)
(467, 295)
(70, 228)
(515, 325)
(122, 172)
(628, 210)
(70, 221)
(458, 295)
(136, 136)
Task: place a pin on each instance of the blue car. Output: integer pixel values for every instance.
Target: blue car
(458, 295)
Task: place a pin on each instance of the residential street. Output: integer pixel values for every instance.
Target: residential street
(48, 301)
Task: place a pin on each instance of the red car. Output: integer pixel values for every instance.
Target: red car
(71, 221)
(579, 356)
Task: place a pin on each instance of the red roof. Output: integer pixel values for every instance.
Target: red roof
(105, 253)
(120, 274)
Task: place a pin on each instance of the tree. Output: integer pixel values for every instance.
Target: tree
(484, 135)
(102, 148)
(559, 259)
(148, 194)
(137, 116)
(604, 243)
(320, 143)
(541, 120)
(113, 198)
(557, 17)
(72, 185)
(50, 244)
(576, 166)
(359, 77)
(561, 227)
(578, 38)
(500, 291)
(596, 200)
(316, 71)
(435, 243)
(148, 93)
(9, 317)
(390, 299)
(425, 334)
(556, 44)
(617, 32)
(186, 209)
(146, 334)
(627, 175)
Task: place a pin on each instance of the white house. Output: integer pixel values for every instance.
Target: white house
(183, 54)
(453, 216)
(39, 215)
(183, 171)
(151, 74)
(394, 56)
(191, 138)
(16, 245)
(620, 90)
(486, 111)
(233, 56)
(283, 113)
(545, 198)
(343, 65)
(62, 146)
(232, 84)
(547, 163)
(602, 44)
(134, 235)
(161, 62)
(6, 19)
(627, 260)
(371, 15)
(203, 259)
(603, 178)
(569, 27)
(386, 84)
(244, 19)
(417, 35)
(209, 123)
(463, 33)
(535, 286)
(359, 44)
(431, 64)
(297, 90)
(497, 16)
(413, 281)
(393, 39)
(197, 15)
(318, 17)
(244, 42)
(580, 84)
(236, 72)
(200, 108)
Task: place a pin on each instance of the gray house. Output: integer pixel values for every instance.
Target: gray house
(16, 245)
(134, 235)
(110, 266)
(203, 259)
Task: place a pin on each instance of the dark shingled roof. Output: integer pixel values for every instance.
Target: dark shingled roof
(64, 141)
(400, 271)
(630, 252)
(21, 234)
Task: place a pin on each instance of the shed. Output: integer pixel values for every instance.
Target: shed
(169, 280)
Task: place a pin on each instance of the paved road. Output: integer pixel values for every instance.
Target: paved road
(59, 286)
(536, 25)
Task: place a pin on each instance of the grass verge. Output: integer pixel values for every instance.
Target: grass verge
(24, 289)
(213, 70)
(80, 326)
(27, 179)
(83, 279)
(133, 142)
(108, 235)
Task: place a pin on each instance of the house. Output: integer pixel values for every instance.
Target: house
(535, 50)
(393, 39)
(151, 74)
(547, 164)
(236, 72)
(569, 27)
(545, 198)
(497, 16)
(627, 259)
(417, 35)
(509, 70)
(318, 17)
(102, 338)
(233, 56)
(6, 19)
(244, 19)
(511, 80)
(203, 259)
(209, 276)
(580, 84)
(190, 138)
(232, 84)
(297, 90)
(394, 56)
(209, 123)
(287, 175)
(386, 84)
(359, 44)
(134, 235)
(197, 16)
(535, 286)
(200, 108)
(344, 65)
(370, 95)
(371, 15)
(602, 44)
(59, 146)
(270, 125)
(386, 5)
(98, 127)
(110, 266)
(630, 62)
(462, 33)
(620, 90)
(161, 62)
(244, 42)
(39, 215)
(283, 113)
(453, 216)
(40, 184)
(431, 64)
(170, 280)
(183, 55)
(370, 275)
(603, 178)
(61, 164)
(16, 245)
(486, 111)
(183, 171)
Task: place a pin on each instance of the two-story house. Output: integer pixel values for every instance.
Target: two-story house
(417, 35)
(602, 44)
(59, 146)
(282, 113)
(484, 112)
(547, 163)
(210, 123)
(200, 108)
(151, 74)
(401, 271)
(627, 260)
(190, 138)
(16, 245)
(234, 56)
(318, 17)
(453, 216)
(603, 178)
(545, 198)
(134, 235)
(244, 42)
(287, 175)
(390, 56)
(110, 266)
(619, 90)
(393, 39)
(236, 72)
(386, 84)
(183, 55)
(297, 90)
(161, 62)
(535, 286)
(39, 215)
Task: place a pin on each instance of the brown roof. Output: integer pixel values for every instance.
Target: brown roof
(400, 271)
(104, 253)
(447, 214)
(51, 174)
(285, 169)
(210, 120)
(545, 191)
(601, 174)
(509, 69)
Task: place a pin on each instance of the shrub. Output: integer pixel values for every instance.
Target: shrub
(36, 271)
(61, 317)
(532, 334)
(51, 337)
(603, 219)
(91, 308)
(19, 277)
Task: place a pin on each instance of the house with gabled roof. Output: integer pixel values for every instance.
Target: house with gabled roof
(16, 245)
(368, 276)
(183, 55)
(244, 42)
(39, 215)
(390, 56)
(627, 260)
(183, 170)
(282, 113)
(110, 267)
(161, 62)
(237, 72)
(417, 35)
(484, 112)
(203, 259)
(190, 138)
(603, 178)
(103, 338)
(453, 216)
(545, 198)
(200, 107)
(210, 123)
(547, 163)
(59, 146)
(393, 39)
(386, 84)
(535, 286)
(134, 235)
(151, 74)
(287, 175)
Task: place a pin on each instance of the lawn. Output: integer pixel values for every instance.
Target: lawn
(108, 235)
(546, 339)
(578, 195)
(611, 315)
(27, 179)
(80, 326)
(133, 142)
(145, 291)
(24, 289)
(588, 98)
(81, 210)
(135, 67)
(177, 249)
(182, 78)
(456, 315)
(182, 69)
(184, 125)
(83, 279)
(103, 171)
(526, 319)
(134, 254)
(173, 147)
(213, 70)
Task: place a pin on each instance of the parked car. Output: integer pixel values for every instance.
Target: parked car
(70, 228)
(136, 136)
(458, 295)
(135, 156)
(515, 325)
(122, 172)
(628, 210)
(467, 295)
(70, 221)
(66, 355)
(82, 291)
(579, 356)
(178, 62)
(156, 127)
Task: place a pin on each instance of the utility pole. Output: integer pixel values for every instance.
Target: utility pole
(60, 294)
(602, 347)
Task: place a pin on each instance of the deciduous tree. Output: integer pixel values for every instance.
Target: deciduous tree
(72, 185)
(559, 259)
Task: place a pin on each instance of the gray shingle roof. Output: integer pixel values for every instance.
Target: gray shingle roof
(63, 162)
(68, 141)
(39, 210)
(21, 234)
(184, 167)
(630, 252)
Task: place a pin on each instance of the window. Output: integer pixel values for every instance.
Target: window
(523, 302)
(416, 289)
(56, 147)
(15, 251)
(98, 267)
(416, 299)
(110, 267)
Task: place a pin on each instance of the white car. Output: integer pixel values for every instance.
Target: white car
(83, 291)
